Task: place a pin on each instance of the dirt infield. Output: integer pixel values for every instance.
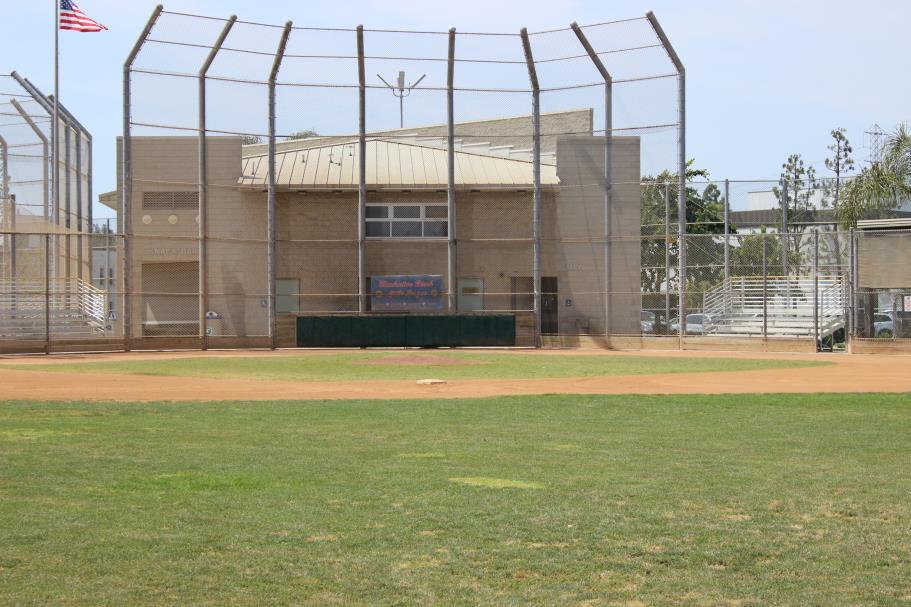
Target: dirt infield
(848, 373)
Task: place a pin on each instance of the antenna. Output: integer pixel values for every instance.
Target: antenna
(401, 91)
(875, 142)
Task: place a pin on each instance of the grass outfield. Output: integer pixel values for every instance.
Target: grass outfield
(702, 500)
(352, 366)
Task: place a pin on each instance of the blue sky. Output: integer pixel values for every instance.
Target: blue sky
(765, 77)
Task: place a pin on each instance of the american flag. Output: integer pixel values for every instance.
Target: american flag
(71, 18)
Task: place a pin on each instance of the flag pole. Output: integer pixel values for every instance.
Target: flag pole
(55, 169)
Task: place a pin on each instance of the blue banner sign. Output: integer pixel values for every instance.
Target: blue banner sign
(403, 293)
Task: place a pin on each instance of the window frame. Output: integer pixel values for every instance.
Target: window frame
(391, 219)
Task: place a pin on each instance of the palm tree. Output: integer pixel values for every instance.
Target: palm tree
(883, 185)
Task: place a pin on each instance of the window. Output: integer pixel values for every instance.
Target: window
(406, 220)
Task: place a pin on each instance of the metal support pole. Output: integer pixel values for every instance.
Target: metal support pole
(8, 212)
(362, 172)
(816, 289)
(126, 189)
(681, 167)
(47, 293)
(45, 150)
(67, 208)
(452, 244)
(667, 258)
(785, 245)
(79, 201)
(851, 332)
(765, 287)
(204, 184)
(536, 178)
(270, 206)
(727, 232)
(608, 169)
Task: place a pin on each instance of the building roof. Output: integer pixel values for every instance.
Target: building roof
(390, 163)
(897, 223)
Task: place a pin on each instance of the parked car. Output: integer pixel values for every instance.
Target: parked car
(883, 325)
(695, 324)
(647, 322)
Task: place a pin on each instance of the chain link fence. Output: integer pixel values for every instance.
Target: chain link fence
(270, 173)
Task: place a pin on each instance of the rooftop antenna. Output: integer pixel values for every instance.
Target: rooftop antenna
(401, 91)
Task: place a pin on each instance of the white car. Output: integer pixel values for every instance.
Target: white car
(647, 322)
(883, 325)
(695, 324)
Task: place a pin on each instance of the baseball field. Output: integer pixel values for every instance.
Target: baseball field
(528, 478)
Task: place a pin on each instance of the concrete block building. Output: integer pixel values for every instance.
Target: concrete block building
(407, 228)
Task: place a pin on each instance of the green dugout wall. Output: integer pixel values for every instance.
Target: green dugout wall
(405, 331)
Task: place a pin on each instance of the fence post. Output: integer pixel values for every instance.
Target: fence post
(362, 172)
(536, 177)
(816, 289)
(608, 170)
(681, 167)
(270, 196)
(765, 288)
(727, 231)
(203, 233)
(452, 244)
(126, 189)
(47, 293)
(667, 259)
(852, 290)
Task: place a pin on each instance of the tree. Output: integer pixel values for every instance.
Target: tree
(800, 182)
(305, 134)
(883, 185)
(839, 163)
(251, 139)
(704, 215)
(746, 259)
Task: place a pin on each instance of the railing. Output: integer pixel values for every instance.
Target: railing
(68, 306)
(775, 305)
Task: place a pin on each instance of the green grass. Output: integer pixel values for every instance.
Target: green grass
(557, 500)
(353, 366)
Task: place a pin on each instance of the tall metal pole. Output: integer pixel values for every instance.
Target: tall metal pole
(47, 293)
(126, 189)
(204, 184)
(270, 205)
(785, 245)
(816, 288)
(362, 171)
(452, 250)
(55, 135)
(765, 288)
(727, 233)
(67, 209)
(8, 212)
(667, 257)
(608, 170)
(681, 167)
(536, 178)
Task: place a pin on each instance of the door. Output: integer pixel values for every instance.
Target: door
(549, 305)
(471, 295)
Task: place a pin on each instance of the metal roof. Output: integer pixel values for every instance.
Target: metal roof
(390, 163)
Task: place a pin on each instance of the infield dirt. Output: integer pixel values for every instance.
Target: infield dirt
(846, 373)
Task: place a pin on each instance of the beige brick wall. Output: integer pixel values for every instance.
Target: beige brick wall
(317, 234)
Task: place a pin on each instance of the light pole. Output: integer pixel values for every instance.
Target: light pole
(401, 91)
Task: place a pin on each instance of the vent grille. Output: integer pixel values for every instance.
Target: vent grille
(170, 200)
